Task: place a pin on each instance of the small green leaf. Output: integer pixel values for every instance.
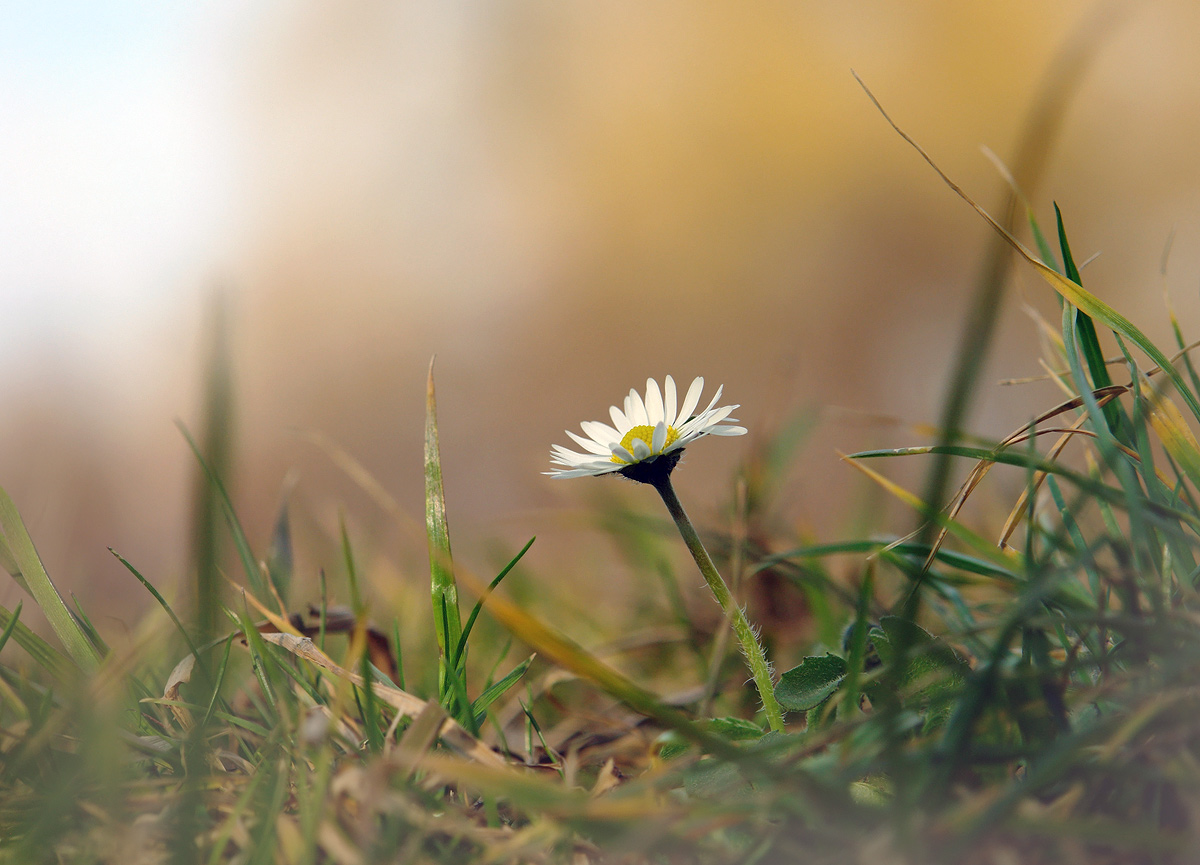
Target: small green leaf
(735, 729)
(933, 671)
(927, 652)
(671, 745)
(810, 683)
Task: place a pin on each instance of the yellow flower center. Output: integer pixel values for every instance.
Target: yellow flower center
(645, 432)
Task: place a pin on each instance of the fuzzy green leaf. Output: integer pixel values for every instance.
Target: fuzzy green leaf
(810, 683)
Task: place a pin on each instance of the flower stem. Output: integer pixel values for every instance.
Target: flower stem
(756, 659)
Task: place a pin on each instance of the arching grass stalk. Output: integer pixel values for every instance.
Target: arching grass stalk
(756, 658)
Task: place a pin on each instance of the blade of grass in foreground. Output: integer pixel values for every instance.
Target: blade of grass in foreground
(249, 565)
(21, 550)
(49, 658)
(441, 565)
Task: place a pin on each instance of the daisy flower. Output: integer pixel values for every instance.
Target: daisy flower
(644, 443)
(647, 436)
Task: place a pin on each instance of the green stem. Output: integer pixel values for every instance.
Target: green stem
(756, 659)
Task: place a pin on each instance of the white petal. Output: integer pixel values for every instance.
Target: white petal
(569, 458)
(641, 450)
(589, 445)
(728, 431)
(620, 421)
(716, 397)
(576, 473)
(715, 416)
(693, 397)
(600, 432)
(669, 402)
(622, 454)
(660, 437)
(565, 456)
(636, 409)
(654, 402)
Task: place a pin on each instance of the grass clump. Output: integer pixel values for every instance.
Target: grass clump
(955, 699)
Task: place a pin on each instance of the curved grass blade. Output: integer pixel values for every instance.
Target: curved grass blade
(1004, 558)
(13, 621)
(20, 547)
(954, 559)
(1172, 430)
(1070, 291)
(45, 655)
(1101, 491)
(280, 556)
(1089, 342)
(461, 648)
(162, 602)
(499, 689)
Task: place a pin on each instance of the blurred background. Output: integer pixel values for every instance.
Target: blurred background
(559, 200)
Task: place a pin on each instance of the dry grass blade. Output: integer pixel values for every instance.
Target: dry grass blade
(1172, 430)
(1070, 291)
(1005, 558)
(982, 467)
(181, 675)
(402, 701)
(360, 475)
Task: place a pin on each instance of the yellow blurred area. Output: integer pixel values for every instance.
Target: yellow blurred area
(562, 199)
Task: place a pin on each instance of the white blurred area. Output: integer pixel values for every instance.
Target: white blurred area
(557, 199)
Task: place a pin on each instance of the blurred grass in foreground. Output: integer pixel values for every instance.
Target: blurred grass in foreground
(959, 699)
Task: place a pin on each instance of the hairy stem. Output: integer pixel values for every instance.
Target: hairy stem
(756, 659)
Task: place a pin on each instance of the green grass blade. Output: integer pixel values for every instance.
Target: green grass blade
(1039, 239)
(454, 691)
(13, 620)
(66, 628)
(356, 600)
(1089, 342)
(162, 602)
(500, 688)
(245, 554)
(857, 642)
(89, 629)
(441, 564)
(216, 446)
(46, 656)
(399, 654)
(460, 651)
(8, 563)
(369, 706)
(1100, 490)
(280, 556)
